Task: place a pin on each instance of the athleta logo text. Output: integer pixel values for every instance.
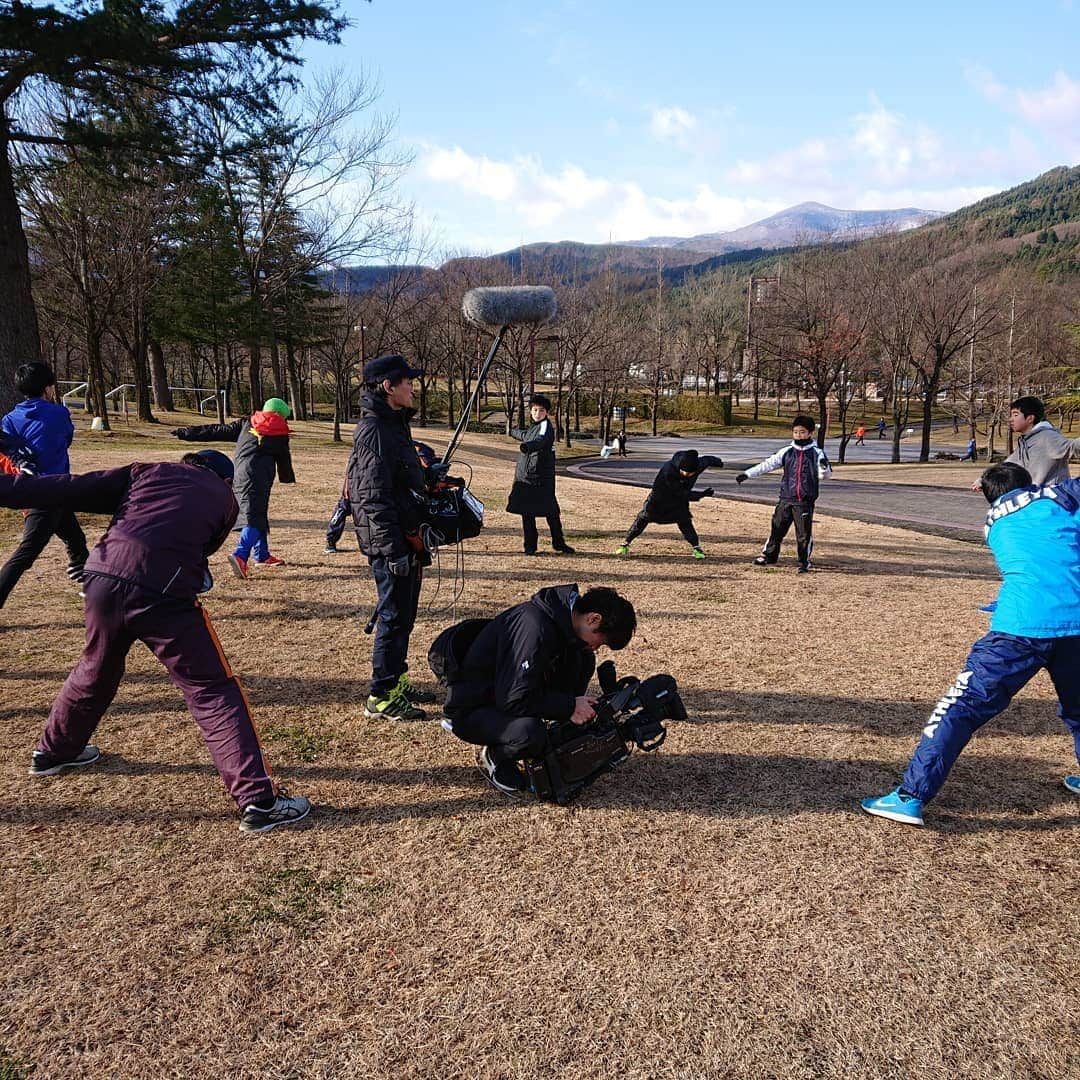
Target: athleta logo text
(952, 696)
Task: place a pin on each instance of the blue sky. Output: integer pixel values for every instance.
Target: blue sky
(590, 121)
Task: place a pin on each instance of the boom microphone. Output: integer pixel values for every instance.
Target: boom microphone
(501, 306)
(513, 305)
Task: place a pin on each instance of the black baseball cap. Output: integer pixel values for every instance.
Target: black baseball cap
(215, 461)
(392, 365)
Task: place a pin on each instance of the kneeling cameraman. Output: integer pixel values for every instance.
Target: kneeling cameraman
(529, 664)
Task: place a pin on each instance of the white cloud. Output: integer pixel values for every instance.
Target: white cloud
(1053, 110)
(476, 175)
(807, 163)
(635, 215)
(571, 203)
(1056, 106)
(671, 122)
(894, 147)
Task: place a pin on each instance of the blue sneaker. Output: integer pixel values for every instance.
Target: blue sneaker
(896, 807)
(989, 609)
(1073, 784)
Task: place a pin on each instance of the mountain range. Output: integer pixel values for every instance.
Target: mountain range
(807, 223)
(1035, 225)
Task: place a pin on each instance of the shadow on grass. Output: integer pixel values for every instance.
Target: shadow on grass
(1018, 797)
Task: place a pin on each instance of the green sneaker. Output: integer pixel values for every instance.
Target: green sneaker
(394, 706)
(413, 693)
(698, 553)
(623, 549)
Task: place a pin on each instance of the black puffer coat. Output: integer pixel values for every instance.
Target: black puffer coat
(262, 449)
(527, 661)
(672, 493)
(384, 477)
(533, 492)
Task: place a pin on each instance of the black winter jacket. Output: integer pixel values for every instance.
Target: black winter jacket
(672, 493)
(262, 448)
(385, 478)
(527, 661)
(533, 492)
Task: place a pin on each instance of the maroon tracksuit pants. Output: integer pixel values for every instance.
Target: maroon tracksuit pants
(180, 635)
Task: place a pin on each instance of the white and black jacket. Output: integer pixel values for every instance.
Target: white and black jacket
(804, 469)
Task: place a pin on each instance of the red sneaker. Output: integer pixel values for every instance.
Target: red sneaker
(272, 561)
(239, 566)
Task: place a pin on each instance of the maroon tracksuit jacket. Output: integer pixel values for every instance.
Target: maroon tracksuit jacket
(141, 585)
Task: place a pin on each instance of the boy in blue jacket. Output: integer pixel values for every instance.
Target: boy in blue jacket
(46, 428)
(1034, 534)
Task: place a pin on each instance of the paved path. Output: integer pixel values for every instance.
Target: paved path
(942, 511)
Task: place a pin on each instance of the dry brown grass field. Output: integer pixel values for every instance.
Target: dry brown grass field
(721, 908)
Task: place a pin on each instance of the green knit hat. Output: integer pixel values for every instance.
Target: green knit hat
(275, 404)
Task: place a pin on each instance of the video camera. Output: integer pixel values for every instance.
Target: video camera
(449, 511)
(629, 713)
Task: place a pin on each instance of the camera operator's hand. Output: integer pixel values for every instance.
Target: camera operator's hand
(583, 710)
(400, 567)
(741, 478)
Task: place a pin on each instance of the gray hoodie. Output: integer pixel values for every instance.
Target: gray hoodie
(1045, 453)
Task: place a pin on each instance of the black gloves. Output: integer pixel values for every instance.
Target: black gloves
(706, 492)
(741, 478)
(719, 463)
(400, 567)
(179, 433)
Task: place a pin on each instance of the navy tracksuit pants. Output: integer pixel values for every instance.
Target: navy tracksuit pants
(997, 668)
(335, 527)
(399, 598)
(180, 635)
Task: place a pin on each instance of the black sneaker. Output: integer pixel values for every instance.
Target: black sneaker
(566, 549)
(504, 776)
(762, 561)
(287, 810)
(414, 694)
(42, 764)
(804, 568)
(76, 571)
(530, 553)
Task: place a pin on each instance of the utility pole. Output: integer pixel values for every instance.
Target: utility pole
(971, 363)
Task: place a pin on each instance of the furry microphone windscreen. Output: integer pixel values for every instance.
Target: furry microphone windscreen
(511, 305)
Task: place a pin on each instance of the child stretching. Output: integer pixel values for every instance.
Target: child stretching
(805, 466)
(670, 499)
(1034, 534)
